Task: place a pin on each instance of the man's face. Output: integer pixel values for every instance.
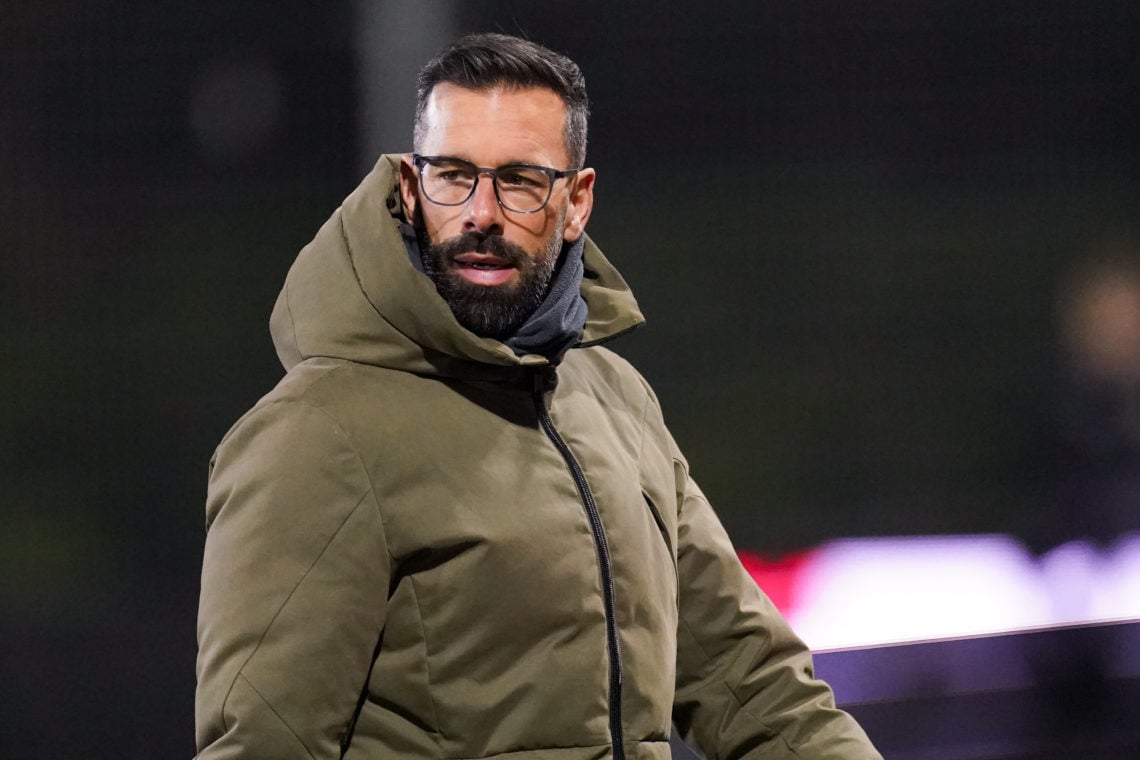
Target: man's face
(491, 265)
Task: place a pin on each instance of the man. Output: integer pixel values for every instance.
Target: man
(458, 527)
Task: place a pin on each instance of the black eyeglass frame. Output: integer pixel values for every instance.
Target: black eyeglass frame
(554, 174)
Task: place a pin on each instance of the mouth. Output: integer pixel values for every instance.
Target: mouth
(483, 268)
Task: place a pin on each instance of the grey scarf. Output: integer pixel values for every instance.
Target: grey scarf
(557, 323)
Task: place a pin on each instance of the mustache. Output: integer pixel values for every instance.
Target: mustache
(479, 242)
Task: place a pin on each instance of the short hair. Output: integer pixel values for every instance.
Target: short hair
(485, 61)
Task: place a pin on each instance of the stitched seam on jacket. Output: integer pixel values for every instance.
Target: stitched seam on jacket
(371, 491)
(356, 453)
(293, 323)
(324, 377)
(273, 710)
(352, 260)
(241, 671)
(670, 546)
(577, 748)
(427, 667)
(644, 425)
(718, 678)
(360, 283)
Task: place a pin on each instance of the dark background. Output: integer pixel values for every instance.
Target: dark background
(847, 223)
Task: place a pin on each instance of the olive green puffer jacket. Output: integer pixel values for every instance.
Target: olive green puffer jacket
(420, 545)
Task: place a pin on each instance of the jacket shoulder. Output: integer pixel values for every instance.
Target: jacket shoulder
(609, 367)
(324, 391)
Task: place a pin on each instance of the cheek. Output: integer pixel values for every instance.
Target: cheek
(535, 225)
(440, 226)
(541, 227)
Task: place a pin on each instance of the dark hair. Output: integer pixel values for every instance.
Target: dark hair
(485, 61)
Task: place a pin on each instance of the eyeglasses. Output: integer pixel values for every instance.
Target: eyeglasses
(522, 188)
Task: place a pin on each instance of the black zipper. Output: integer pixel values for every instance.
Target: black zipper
(612, 644)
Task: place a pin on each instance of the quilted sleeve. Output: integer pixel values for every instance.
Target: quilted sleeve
(745, 685)
(295, 578)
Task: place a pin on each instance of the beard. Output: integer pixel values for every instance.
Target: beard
(490, 311)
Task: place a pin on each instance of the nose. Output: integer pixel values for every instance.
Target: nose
(483, 212)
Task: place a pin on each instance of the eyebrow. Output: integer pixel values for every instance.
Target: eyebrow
(511, 162)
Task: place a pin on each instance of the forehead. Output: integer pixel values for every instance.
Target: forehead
(495, 126)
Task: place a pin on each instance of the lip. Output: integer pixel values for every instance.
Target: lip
(483, 268)
(484, 259)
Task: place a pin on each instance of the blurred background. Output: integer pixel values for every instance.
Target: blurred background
(889, 253)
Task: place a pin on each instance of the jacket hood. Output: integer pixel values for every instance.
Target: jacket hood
(353, 293)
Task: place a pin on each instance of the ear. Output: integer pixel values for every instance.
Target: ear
(409, 187)
(580, 206)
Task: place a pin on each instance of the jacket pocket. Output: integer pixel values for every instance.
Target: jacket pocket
(668, 535)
